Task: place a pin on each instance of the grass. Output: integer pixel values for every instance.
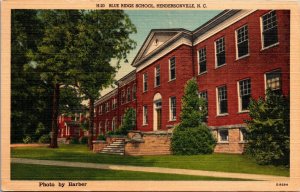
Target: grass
(44, 172)
(213, 162)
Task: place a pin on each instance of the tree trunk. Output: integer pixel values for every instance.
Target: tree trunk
(54, 125)
(91, 123)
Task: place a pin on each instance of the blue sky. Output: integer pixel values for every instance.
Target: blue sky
(145, 20)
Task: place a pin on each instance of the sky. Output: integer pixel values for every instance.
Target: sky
(145, 20)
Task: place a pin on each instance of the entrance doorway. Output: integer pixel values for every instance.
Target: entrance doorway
(157, 112)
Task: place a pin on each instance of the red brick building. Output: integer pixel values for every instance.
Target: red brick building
(69, 126)
(235, 56)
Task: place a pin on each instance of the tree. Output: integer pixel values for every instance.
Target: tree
(194, 109)
(103, 37)
(192, 136)
(53, 56)
(129, 121)
(30, 101)
(269, 129)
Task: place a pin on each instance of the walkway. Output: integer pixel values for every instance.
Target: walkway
(149, 169)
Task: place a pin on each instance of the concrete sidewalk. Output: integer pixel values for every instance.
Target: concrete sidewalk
(150, 169)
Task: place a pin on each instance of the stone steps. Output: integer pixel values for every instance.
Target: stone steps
(116, 148)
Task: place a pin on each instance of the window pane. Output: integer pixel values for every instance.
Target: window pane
(202, 60)
(220, 51)
(274, 80)
(172, 68)
(222, 99)
(270, 31)
(223, 135)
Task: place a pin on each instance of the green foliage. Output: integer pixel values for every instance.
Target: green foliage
(192, 136)
(129, 121)
(30, 97)
(45, 139)
(101, 137)
(192, 141)
(191, 116)
(269, 129)
(84, 140)
(27, 139)
(74, 140)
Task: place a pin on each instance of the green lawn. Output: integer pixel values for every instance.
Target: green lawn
(213, 162)
(44, 172)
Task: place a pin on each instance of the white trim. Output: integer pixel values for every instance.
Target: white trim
(236, 44)
(144, 119)
(145, 90)
(238, 16)
(239, 96)
(261, 32)
(219, 135)
(170, 109)
(170, 68)
(179, 42)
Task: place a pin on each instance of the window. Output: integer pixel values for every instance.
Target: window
(100, 127)
(107, 106)
(242, 41)
(203, 94)
(269, 29)
(157, 76)
(202, 60)
(172, 108)
(273, 81)
(128, 94)
(100, 109)
(243, 134)
(223, 135)
(172, 68)
(123, 97)
(113, 124)
(220, 52)
(145, 80)
(106, 125)
(244, 94)
(145, 115)
(134, 92)
(222, 100)
(114, 103)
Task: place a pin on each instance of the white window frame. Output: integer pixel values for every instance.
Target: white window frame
(113, 124)
(219, 135)
(145, 82)
(236, 43)
(170, 79)
(128, 95)
(100, 109)
(216, 52)
(156, 74)
(262, 30)
(218, 101)
(145, 115)
(99, 127)
(199, 57)
(242, 139)
(134, 92)
(280, 79)
(239, 94)
(123, 97)
(171, 108)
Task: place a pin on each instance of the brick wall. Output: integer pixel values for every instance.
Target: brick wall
(234, 145)
(150, 143)
(98, 146)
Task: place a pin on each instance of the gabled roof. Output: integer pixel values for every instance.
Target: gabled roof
(175, 34)
(166, 37)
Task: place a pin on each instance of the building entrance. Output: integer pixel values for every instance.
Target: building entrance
(157, 112)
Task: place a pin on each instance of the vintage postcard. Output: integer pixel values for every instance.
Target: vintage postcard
(150, 95)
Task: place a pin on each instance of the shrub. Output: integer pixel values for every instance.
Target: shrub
(74, 140)
(192, 141)
(45, 138)
(27, 139)
(128, 122)
(269, 130)
(192, 136)
(101, 137)
(84, 140)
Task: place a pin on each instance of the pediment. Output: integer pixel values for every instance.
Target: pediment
(155, 40)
